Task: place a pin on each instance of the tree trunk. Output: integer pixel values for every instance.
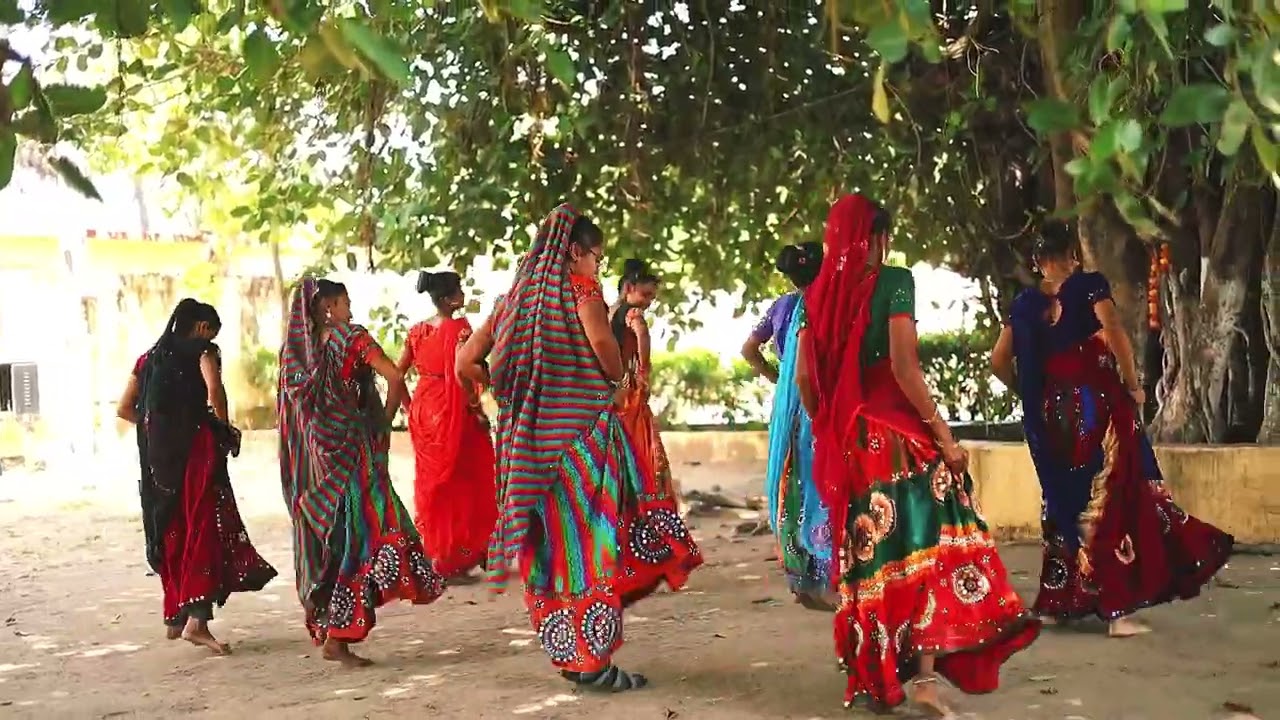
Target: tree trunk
(1111, 247)
(1269, 433)
(1205, 329)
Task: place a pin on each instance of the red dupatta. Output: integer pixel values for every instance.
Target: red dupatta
(838, 310)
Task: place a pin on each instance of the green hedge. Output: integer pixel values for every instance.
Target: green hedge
(696, 388)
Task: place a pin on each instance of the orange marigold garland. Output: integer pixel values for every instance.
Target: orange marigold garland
(1159, 267)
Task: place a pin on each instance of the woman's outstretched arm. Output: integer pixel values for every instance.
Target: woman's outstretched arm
(595, 323)
(397, 391)
(469, 362)
(751, 352)
(211, 369)
(1002, 359)
(804, 381)
(127, 408)
(904, 358)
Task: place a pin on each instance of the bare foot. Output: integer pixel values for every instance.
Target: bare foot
(340, 652)
(198, 634)
(1050, 621)
(172, 632)
(928, 699)
(1125, 627)
(812, 602)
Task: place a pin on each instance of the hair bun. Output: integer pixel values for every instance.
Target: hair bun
(788, 259)
(424, 281)
(634, 267)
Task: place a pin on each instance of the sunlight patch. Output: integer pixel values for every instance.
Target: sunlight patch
(546, 704)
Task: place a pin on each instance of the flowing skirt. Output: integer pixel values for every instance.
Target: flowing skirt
(637, 418)
(355, 546)
(799, 521)
(454, 514)
(205, 552)
(606, 536)
(919, 571)
(1114, 540)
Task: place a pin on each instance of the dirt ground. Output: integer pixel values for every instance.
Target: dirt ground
(82, 637)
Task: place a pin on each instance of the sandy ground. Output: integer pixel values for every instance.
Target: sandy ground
(82, 637)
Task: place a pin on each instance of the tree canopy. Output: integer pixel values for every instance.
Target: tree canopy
(705, 135)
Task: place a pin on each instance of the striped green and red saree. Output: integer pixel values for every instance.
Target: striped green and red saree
(354, 545)
(590, 529)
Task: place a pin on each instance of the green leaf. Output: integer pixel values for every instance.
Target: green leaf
(889, 40)
(1129, 136)
(561, 66)
(1078, 167)
(11, 14)
(179, 12)
(260, 55)
(1134, 214)
(62, 12)
(880, 98)
(1048, 115)
(8, 151)
(1266, 75)
(1118, 33)
(230, 19)
(1267, 152)
(1195, 104)
(1163, 6)
(1100, 100)
(1235, 124)
(75, 178)
(1160, 28)
(22, 88)
(132, 17)
(1220, 35)
(381, 52)
(528, 10)
(69, 100)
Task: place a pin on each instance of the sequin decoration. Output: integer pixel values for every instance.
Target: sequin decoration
(1055, 574)
(601, 627)
(342, 606)
(385, 574)
(648, 544)
(558, 637)
(667, 523)
(970, 584)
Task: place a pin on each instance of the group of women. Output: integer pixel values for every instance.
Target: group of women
(870, 498)
(869, 493)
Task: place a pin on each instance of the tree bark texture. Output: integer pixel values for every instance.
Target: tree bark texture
(1207, 315)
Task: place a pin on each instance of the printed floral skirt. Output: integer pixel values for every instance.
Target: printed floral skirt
(920, 575)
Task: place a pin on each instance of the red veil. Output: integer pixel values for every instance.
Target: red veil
(838, 310)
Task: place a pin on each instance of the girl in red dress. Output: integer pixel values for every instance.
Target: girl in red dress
(455, 505)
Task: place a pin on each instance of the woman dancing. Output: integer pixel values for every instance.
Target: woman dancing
(354, 545)
(453, 491)
(796, 512)
(637, 290)
(922, 588)
(803, 261)
(196, 541)
(592, 533)
(1114, 541)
